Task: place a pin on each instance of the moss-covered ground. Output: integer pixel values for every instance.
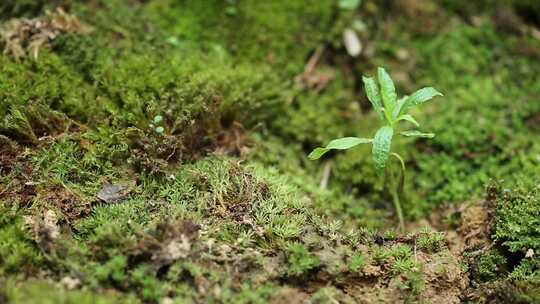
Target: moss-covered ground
(197, 116)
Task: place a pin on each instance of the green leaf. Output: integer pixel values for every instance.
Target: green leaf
(419, 97)
(416, 133)
(400, 104)
(349, 4)
(388, 92)
(338, 144)
(381, 148)
(372, 92)
(409, 118)
(317, 153)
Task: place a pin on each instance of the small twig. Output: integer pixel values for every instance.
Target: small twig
(314, 60)
(415, 258)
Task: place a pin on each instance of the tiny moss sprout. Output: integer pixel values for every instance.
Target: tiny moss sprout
(155, 125)
(158, 119)
(391, 111)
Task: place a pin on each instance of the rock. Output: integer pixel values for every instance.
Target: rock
(352, 43)
(110, 193)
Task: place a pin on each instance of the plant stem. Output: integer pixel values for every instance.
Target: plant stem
(399, 191)
(397, 206)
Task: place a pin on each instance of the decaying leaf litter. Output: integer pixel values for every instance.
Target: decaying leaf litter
(156, 152)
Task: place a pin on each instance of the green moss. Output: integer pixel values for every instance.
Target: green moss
(300, 260)
(125, 245)
(222, 75)
(357, 262)
(413, 284)
(113, 270)
(527, 8)
(490, 266)
(315, 118)
(17, 251)
(36, 291)
(475, 122)
(280, 32)
(512, 271)
(430, 241)
(152, 289)
(517, 229)
(67, 163)
(518, 220)
(283, 158)
(400, 251)
(186, 94)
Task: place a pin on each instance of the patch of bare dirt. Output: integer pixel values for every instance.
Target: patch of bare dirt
(153, 153)
(474, 223)
(233, 141)
(468, 235)
(289, 295)
(533, 121)
(169, 242)
(111, 193)
(17, 171)
(445, 279)
(442, 281)
(71, 205)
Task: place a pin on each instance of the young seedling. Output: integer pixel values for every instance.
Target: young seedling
(391, 111)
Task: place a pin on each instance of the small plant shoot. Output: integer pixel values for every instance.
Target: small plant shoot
(156, 124)
(391, 111)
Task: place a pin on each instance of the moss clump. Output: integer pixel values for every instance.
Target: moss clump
(214, 223)
(17, 252)
(280, 32)
(46, 292)
(517, 230)
(352, 210)
(357, 262)
(456, 151)
(490, 265)
(510, 271)
(518, 219)
(430, 241)
(128, 244)
(300, 260)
